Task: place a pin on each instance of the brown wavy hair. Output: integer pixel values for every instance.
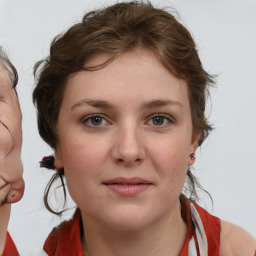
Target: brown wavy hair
(117, 29)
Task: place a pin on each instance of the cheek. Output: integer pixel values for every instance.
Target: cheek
(83, 154)
(170, 159)
(82, 161)
(80, 168)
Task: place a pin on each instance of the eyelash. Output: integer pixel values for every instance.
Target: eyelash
(89, 118)
(86, 119)
(165, 116)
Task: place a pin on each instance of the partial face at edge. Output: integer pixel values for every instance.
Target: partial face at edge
(11, 169)
(129, 120)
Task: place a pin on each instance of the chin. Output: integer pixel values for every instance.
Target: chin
(129, 224)
(129, 218)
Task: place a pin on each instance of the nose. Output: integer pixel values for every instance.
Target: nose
(16, 192)
(128, 148)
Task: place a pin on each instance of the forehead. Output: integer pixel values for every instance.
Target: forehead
(5, 79)
(5, 83)
(136, 75)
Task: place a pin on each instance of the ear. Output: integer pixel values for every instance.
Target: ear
(58, 163)
(193, 147)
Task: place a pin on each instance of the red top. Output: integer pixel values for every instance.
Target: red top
(211, 225)
(212, 229)
(10, 248)
(66, 239)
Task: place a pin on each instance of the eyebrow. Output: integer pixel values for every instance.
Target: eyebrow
(160, 103)
(106, 105)
(93, 103)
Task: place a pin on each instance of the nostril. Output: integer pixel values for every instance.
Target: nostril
(14, 196)
(16, 192)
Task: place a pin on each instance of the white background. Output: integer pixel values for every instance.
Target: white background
(225, 31)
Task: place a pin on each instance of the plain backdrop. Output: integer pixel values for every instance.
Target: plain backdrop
(225, 31)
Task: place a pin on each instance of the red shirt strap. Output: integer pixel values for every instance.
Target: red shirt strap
(66, 239)
(212, 227)
(10, 248)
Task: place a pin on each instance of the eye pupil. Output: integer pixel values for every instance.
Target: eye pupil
(158, 120)
(97, 120)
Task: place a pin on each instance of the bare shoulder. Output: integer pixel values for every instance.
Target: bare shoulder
(236, 241)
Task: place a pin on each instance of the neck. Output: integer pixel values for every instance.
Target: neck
(165, 237)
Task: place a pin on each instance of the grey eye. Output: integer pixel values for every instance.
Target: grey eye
(96, 120)
(158, 120)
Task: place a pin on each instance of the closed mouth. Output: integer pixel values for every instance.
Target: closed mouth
(127, 181)
(128, 187)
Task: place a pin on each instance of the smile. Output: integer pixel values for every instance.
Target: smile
(127, 186)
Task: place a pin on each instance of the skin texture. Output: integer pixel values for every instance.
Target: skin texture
(127, 143)
(236, 241)
(11, 181)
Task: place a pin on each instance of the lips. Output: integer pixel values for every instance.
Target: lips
(127, 186)
(127, 181)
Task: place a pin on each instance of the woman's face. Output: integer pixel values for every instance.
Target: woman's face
(125, 135)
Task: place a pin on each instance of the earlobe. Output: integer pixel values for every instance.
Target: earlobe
(191, 159)
(194, 144)
(58, 160)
